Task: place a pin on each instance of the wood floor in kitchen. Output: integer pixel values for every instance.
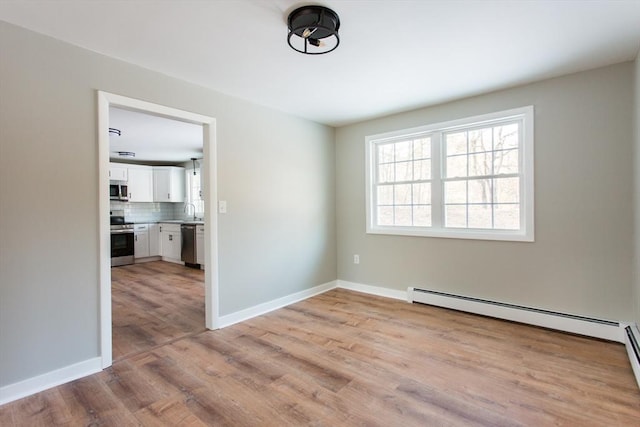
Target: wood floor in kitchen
(154, 303)
(346, 359)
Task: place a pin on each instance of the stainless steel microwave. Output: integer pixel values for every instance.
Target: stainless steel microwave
(118, 190)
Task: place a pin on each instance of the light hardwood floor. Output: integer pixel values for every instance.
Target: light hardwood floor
(154, 303)
(347, 359)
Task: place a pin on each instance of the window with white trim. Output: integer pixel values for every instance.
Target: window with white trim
(193, 183)
(469, 178)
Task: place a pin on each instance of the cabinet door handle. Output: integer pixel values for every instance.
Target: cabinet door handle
(160, 229)
(136, 238)
(170, 237)
(168, 196)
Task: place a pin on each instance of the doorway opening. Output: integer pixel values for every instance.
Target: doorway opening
(209, 190)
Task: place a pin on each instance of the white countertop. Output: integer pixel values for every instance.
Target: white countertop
(180, 221)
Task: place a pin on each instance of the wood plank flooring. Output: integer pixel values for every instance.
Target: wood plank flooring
(348, 359)
(154, 303)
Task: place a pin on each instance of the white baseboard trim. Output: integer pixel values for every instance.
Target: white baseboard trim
(260, 309)
(633, 349)
(30, 386)
(603, 329)
(373, 290)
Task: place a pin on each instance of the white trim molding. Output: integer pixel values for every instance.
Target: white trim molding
(372, 290)
(582, 325)
(266, 307)
(106, 100)
(33, 385)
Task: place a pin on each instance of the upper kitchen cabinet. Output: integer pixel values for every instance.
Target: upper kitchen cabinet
(117, 172)
(168, 184)
(140, 183)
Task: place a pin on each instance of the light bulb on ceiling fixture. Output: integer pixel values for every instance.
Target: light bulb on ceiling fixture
(308, 31)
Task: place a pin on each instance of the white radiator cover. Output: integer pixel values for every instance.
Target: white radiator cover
(632, 342)
(597, 328)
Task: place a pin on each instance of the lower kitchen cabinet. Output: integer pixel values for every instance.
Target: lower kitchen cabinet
(154, 240)
(141, 241)
(171, 241)
(200, 245)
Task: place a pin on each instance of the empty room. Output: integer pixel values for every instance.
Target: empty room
(338, 213)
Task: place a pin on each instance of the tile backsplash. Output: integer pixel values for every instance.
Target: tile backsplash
(149, 212)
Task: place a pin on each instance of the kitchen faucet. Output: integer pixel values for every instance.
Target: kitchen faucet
(186, 209)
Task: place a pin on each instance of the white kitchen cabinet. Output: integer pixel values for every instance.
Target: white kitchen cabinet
(154, 240)
(200, 245)
(140, 241)
(140, 183)
(168, 184)
(171, 242)
(117, 172)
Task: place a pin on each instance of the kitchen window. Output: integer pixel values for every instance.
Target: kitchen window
(194, 190)
(470, 178)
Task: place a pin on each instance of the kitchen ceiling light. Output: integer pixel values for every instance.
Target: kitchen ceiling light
(313, 30)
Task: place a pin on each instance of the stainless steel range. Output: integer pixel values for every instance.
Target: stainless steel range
(121, 240)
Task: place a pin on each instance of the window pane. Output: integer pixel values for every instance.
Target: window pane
(455, 192)
(456, 143)
(403, 215)
(507, 190)
(422, 148)
(505, 136)
(505, 161)
(422, 216)
(456, 166)
(385, 173)
(421, 170)
(422, 194)
(404, 150)
(480, 140)
(404, 171)
(385, 215)
(385, 195)
(480, 216)
(480, 164)
(455, 216)
(385, 153)
(506, 217)
(480, 191)
(402, 194)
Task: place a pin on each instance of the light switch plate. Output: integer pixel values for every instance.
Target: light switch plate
(222, 206)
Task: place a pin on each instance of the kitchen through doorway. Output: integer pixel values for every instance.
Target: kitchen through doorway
(169, 180)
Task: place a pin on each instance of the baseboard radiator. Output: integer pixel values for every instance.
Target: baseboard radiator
(632, 336)
(598, 328)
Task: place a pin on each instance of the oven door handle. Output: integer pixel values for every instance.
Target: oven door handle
(121, 231)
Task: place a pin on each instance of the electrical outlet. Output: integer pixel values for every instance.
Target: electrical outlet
(356, 259)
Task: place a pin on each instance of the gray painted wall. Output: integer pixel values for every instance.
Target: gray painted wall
(581, 260)
(276, 172)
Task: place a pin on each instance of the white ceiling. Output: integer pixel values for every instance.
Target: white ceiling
(153, 138)
(393, 56)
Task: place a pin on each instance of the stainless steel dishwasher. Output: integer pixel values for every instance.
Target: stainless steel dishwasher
(188, 251)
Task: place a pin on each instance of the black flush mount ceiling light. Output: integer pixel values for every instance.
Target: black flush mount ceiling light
(313, 30)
